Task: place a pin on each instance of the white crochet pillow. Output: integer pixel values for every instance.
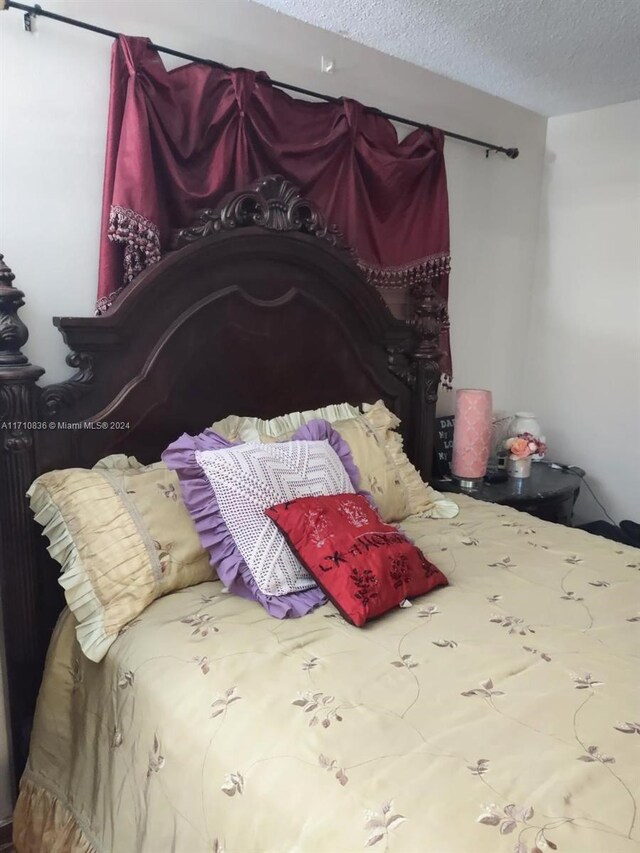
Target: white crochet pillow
(251, 477)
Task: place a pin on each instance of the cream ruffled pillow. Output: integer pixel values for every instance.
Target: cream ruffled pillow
(238, 428)
(376, 447)
(421, 498)
(123, 538)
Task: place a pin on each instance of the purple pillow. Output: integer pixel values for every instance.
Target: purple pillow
(184, 456)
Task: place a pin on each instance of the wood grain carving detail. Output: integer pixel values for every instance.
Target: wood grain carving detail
(401, 365)
(272, 203)
(430, 315)
(55, 397)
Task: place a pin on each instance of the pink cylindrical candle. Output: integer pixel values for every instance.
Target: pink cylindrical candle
(471, 434)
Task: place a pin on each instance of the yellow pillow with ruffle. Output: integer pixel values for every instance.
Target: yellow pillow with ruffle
(281, 428)
(122, 536)
(421, 498)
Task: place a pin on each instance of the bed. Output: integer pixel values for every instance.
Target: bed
(497, 713)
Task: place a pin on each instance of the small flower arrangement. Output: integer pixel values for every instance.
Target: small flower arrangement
(524, 445)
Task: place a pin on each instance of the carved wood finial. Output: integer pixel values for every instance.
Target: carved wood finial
(6, 275)
(17, 376)
(430, 315)
(13, 332)
(13, 336)
(273, 203)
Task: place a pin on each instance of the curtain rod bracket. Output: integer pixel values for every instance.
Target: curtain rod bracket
(29, 18)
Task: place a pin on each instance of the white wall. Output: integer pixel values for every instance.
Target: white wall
(54, 94)
(583, 365)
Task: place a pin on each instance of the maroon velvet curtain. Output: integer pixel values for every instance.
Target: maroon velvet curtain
(180, 140)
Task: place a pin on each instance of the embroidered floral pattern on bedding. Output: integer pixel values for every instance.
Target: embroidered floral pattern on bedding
(515, 751)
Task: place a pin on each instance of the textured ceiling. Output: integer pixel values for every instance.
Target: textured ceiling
(552, 56)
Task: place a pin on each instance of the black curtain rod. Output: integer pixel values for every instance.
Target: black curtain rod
(511, 153)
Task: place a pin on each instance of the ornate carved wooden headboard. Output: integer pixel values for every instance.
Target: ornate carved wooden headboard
(260, 310)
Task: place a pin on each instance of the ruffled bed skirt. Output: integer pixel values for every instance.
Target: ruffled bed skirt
(43, 824)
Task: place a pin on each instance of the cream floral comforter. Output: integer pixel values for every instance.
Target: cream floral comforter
(499, 714)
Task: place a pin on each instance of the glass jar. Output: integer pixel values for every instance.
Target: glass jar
(520, 469)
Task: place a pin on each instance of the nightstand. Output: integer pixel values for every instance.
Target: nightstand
(548, 493)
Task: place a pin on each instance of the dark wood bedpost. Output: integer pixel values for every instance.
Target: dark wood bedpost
(429, 314)
(18, 548)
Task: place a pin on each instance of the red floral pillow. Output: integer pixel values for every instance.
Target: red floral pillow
(365, 566)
